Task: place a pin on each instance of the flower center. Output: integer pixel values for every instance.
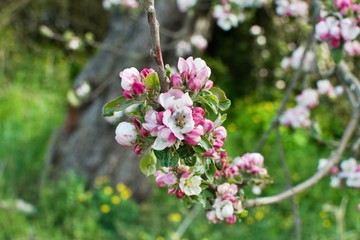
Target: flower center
(180, 120)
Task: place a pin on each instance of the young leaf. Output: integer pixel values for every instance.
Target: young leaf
(205, 144)
(210, 169)
(337, 54)
(224, 102)
(115, 105)
(152, 82)
(166, 157)
(210, 102)
(148, 164)
(190, 161)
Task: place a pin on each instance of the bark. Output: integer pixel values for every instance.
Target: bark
(86, 141)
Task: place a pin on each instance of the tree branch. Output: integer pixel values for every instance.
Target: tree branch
(350, 129)
(155, 51)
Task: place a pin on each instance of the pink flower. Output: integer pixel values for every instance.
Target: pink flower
(223, 208)
(324, 87)
(208, 84)
(194, 68)
(127, 94)
(125, 134)
(128, 77)
(138, 149)
(208, 125)
(308, 98)
(165, 138)
(199, 42)
(211, 216)
(352, 48)
(195, 84)
(297, 117)
(218, 144)
(175, 99)
(165, 179)
(231, 220)
(176, 81)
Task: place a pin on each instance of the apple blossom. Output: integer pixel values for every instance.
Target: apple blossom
(184, 5)
(308, 98)
(126, 133)
(297, 117)
(199, 42)
(190, 184)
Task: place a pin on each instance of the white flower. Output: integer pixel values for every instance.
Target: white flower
(353, 180)
(322, 163)
(190, 184)
(223, 208)
(183, 48)
(128, 77)
(180, 121)
(184, 5)
(125, 133)
(347, 166)
(74, 43)
(349, 29)
(175, 99)
(199, 42)
(165, 138)
(308, 98)
(297, 117)
(325, 87)
(225, 18)
(335, 182)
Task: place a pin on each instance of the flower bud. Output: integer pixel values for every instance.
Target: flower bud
(138, 149)
(231, 220)
(194, 84)
(125, 133)
(208, 84)
(194, 136)
(146, 71)
(220, 133)
(138, 88)
(198, 115)
(126, 94)
(218, 144)
(208, 125)
(180, 194)
(176, 80)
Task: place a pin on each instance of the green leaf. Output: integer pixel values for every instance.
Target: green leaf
(199, 149)
(205, 144)
(185, 151)
(168, 70)
(190, 161)
(224, 102)
(220, 120)
(148, 164)
(337, 54)
(116, 105)
(210, 169)
(152, 82)
(210, 102)
(166, 157)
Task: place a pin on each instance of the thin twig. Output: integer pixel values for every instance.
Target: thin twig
(348, 133)
(155, 52)
(185, 224)
(294, 205)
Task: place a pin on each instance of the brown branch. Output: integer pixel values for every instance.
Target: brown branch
(350, 129)
(155, 51)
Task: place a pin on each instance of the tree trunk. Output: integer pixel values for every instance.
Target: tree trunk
(86, 141)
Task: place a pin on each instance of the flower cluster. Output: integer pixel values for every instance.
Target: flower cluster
(340, 27)
(299, 116)
(292, 8)
(227, 205)
(348, 172)
(295, 60)
(180, 131)
(185, 47)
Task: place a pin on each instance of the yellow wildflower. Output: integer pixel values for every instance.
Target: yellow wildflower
(108, 190)
(174, 217)
(105, 208)
(115, 200)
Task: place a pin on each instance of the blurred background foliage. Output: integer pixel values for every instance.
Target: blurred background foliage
(36, 73)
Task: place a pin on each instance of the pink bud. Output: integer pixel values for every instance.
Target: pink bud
(180, 194)
(231, 220)
(209, 152)
(223, 155)
(146, 71)
(143, 132)
(176, 81)
(335, 42)
(159, 117)
(138, 88)
(194, 136)
(136, 123)
(208, 125)
(198, 115)
(127, 94)
(208, 84)
(218, 144)
(220, 133)
(138, 149)
(334, 170)
(194, 84)
(171, 191)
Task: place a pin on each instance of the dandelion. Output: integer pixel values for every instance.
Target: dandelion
(174, 217)
(108, 190)
(115, 200)
(121, 187)
(104, 208)
(126, 194)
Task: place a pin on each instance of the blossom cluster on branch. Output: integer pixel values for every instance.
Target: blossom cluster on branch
(299, 116)
(181, 135)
